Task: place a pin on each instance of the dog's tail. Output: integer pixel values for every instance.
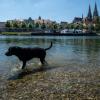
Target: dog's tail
(49, 47)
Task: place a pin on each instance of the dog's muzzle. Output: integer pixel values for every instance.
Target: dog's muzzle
(8, 54)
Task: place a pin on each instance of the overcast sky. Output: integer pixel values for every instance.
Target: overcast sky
(58, 10)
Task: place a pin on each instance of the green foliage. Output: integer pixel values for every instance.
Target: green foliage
(60, 27)
(85, 27)
(97, 20)
(43, 26)
(30, 26)
(50, 26)
(97, 24)
(23, 25)
(81, 26)
(76, 26)
(66, 26)
(97, 27)
(15, 25)
(92, 27)
(37, 25)
(8, 24)
(55, 26)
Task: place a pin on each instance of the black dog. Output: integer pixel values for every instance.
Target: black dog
(26, 54)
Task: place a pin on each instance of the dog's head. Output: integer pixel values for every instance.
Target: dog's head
(11, 51)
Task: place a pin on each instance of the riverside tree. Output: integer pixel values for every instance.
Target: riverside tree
(97, 24)
(43, 26)
(8, 24)
(16, 25)
(37, 25)
(23, 25)
(30, 26)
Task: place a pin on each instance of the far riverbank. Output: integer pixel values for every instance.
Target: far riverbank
(48, 34)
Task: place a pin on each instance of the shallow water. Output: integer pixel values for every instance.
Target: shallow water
(70, 54)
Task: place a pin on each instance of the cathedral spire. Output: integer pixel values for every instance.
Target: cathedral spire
(89, 16)
(82, 16)
(95, 13)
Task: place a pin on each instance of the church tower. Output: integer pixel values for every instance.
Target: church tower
(89, 16)
(95, 13)
(82, 17)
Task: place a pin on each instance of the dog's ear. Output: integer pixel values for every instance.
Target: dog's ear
(12, 48)
(15, 47)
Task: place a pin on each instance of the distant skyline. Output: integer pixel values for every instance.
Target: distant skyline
(57, 10)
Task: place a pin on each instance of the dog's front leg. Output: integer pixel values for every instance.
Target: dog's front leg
(24, 64)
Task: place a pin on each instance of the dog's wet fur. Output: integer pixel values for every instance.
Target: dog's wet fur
(26, 54)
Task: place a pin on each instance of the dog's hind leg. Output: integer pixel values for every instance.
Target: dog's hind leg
(42, 61)
(24, 64)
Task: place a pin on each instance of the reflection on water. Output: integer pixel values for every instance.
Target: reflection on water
(78, 53)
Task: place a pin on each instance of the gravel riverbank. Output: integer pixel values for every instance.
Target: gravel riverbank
(43, 84)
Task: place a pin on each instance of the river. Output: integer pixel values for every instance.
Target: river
(67, 53)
